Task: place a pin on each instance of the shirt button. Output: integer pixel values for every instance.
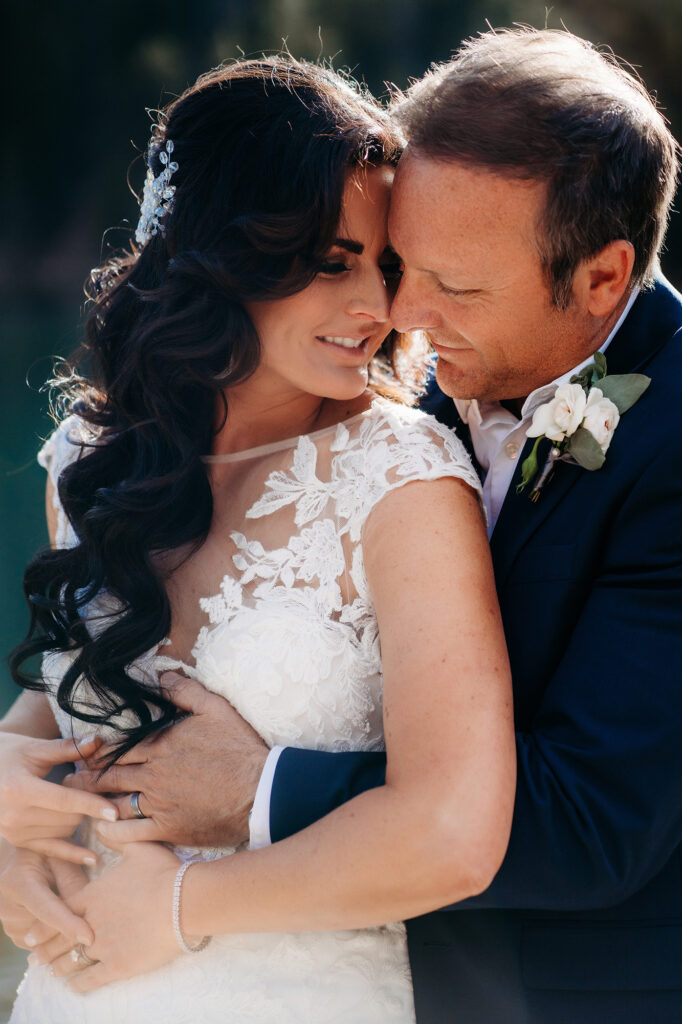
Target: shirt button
(512, 449)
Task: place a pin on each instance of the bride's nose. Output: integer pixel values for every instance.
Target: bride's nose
(370, 297)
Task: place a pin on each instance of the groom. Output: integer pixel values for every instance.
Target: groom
(528, 210)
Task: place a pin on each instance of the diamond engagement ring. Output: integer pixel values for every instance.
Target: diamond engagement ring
(135, 805)
(80, 957)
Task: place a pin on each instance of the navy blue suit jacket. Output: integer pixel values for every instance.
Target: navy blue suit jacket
(583, 923)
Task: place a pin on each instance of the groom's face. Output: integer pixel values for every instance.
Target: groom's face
(474, 282)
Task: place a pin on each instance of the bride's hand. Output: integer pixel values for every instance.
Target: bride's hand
(31, 912)
(129, 911)
(36, 814)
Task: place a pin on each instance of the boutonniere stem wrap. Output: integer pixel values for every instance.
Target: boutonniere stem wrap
(580, 421)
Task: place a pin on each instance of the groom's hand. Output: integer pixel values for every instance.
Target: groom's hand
(196, 780)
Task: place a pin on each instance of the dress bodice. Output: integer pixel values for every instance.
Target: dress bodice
(290, 635)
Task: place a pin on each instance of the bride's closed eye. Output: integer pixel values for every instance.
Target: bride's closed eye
(333, 267)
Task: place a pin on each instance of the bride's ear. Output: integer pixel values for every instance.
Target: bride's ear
(600, 282)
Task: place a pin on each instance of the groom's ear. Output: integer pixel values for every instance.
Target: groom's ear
(600, 282)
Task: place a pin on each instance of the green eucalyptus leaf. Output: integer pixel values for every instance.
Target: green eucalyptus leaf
(624, 389)
(530, 467)
(585, 450)
(600, 365)
(584, 378)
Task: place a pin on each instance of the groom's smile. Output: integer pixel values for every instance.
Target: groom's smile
(474, 281)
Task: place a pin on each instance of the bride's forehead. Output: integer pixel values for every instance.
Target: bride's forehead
(366, 188)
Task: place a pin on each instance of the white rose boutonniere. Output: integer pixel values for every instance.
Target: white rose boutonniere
(601, 418)
(561, 417)
(580, 420)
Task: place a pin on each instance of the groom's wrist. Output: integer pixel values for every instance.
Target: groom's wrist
(259, 816)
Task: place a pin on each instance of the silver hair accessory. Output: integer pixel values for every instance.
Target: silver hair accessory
(157, 197)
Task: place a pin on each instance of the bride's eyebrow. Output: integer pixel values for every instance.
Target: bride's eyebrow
(347, 243)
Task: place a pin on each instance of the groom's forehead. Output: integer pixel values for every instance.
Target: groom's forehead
(438, 198)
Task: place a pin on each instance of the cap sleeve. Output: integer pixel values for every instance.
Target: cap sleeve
(397, 446)
(62, 448)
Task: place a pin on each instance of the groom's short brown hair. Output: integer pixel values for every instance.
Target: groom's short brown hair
(547, 106)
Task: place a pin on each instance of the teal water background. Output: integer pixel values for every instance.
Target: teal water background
(30, 337)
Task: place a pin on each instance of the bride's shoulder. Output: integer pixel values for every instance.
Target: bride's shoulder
(402, 443)
(386, 447)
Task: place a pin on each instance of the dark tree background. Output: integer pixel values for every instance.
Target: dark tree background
(79, 77)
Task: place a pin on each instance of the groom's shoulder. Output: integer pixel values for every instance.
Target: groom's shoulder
(658, 315)
(661, 323)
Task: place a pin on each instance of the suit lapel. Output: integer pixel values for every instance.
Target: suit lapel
(520, 517)
(652, 321)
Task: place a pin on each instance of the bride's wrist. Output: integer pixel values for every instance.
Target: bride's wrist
(187, 940)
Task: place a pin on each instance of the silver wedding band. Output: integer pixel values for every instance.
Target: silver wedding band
(135, 805)
(79, 956)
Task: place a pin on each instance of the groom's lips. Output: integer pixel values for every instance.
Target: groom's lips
(445, 349)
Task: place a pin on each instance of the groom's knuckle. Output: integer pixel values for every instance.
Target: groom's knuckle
(11, 818)
(111, 778)
(160, 749)
(154, 777)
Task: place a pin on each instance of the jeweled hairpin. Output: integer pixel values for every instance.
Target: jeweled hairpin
(157, 197)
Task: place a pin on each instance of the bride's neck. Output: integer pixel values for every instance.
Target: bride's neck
(255, 419)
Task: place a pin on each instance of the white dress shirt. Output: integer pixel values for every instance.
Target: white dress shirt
(498, 437)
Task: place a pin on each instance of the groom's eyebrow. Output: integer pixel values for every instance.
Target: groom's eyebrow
(347, 243)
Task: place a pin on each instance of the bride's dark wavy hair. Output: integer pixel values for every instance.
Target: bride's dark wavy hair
(263, 148)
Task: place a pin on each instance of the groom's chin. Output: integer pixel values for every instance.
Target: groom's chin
(455, 382)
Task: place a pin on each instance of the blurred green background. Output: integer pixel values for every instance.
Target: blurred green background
(82, 77)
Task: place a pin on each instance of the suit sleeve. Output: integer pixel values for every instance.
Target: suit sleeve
(311, 783)
(598, 810)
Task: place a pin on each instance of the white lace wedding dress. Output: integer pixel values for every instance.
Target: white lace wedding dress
(290, 638)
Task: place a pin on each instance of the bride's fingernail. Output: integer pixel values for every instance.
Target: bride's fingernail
(30, 939)
(109, 814)
(90, 860)
(33, 960)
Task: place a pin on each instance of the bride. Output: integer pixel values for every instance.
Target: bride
(238, 493)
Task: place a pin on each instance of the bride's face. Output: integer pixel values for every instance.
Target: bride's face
(321, 340)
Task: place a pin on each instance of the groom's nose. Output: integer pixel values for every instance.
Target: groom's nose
(411, 309)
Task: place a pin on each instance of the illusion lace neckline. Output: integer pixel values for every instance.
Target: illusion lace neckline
(277, 446)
